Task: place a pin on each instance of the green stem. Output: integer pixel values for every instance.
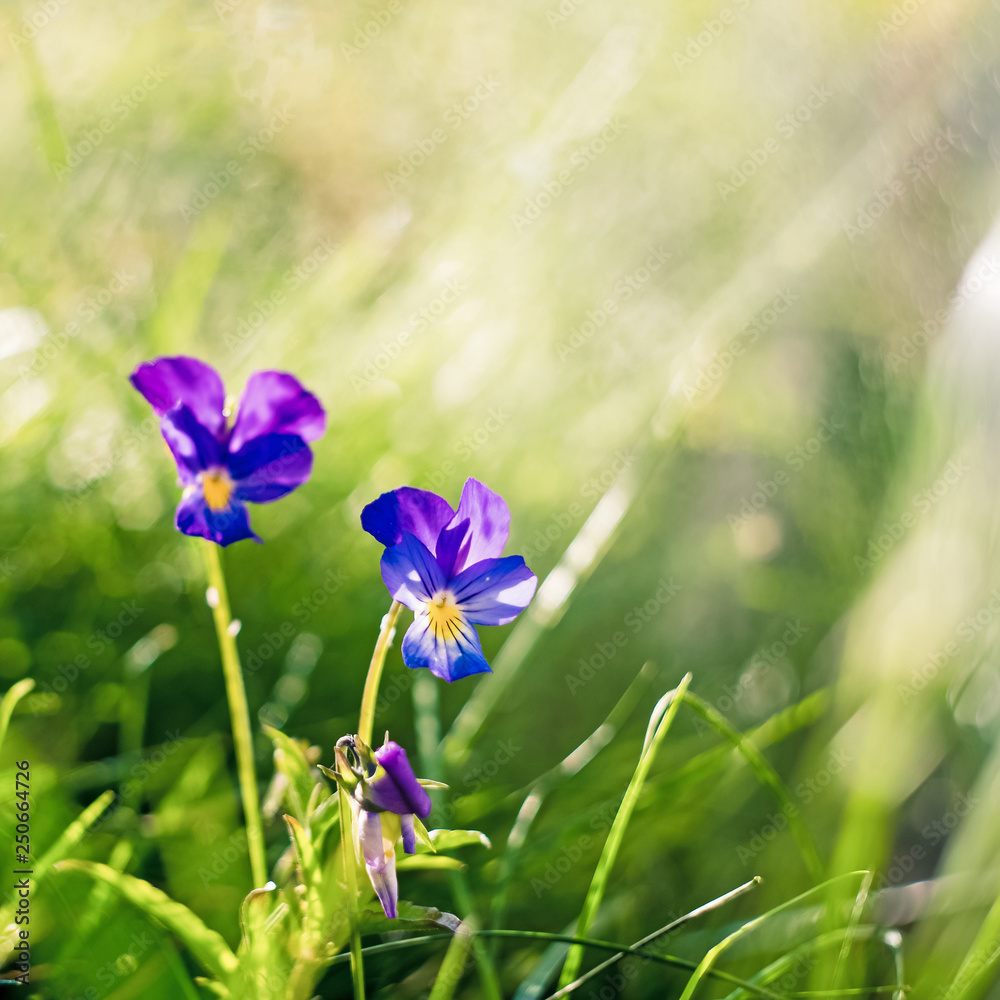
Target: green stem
(366, 721)
(238, 711)
(351, 878)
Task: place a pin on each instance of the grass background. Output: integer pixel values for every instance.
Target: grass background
(443, 219)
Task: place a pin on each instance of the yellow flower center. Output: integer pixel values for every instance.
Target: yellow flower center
(443, 615)
(218, 488)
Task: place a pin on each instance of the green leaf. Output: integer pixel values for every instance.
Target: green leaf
(206, 945)
(413, 862)
(10, 699)
(668, 706)
(453, 966)
(449, 840)
(410, 917)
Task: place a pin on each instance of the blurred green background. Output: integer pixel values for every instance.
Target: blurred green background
(704, 290)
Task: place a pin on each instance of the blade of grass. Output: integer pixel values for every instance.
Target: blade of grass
(668, 960)
(667, 929)
(453, 967)
(572, 764)
(10, 699)
(206, 945)
(713, 953)
(768, 777)
(612, 845)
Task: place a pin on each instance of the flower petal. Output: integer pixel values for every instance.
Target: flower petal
(407, 511)
(270, 466)
(448, 659)
(381, 868)
(194, 446)
(411, 573)
(409, 833)
(166, 382)
(397, 788)
(195, 517)
(489, 523)
(494, 591)
(276, 403)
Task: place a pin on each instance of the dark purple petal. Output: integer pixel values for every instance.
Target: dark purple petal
(452, 547)
(494, 591)
(409, 833)
(276, 403)
(195, 517)
(448, 659)
(411, 573)
(166, 382)
(407, 511)
(489, 523)
(194, 447)
(397, 789)
(270, 466)
(381, 869)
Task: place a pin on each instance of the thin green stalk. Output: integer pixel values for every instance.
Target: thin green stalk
(366, 720)
(611, 846)
(351, 878)
(238, 711)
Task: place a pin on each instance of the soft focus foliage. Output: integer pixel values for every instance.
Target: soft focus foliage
(726, 267)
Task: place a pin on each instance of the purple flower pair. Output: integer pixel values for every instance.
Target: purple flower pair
(446, 566)
(385, 795)
(262, 455)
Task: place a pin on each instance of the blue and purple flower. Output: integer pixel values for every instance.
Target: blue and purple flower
(258, 457)
(385, 795)
(446, 566)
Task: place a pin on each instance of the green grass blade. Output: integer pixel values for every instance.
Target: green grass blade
(206, 945)
(612, 845)
(713, 953)
(663, 931)
(768, 777)
(10, 699)
(73, 834)
(453, 967)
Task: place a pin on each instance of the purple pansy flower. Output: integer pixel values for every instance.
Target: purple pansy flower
(385, 796)
(260, 456)
(445, 566)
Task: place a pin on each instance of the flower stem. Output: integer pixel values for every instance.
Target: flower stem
(236, 693)
(366, 721)
(350, 877)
